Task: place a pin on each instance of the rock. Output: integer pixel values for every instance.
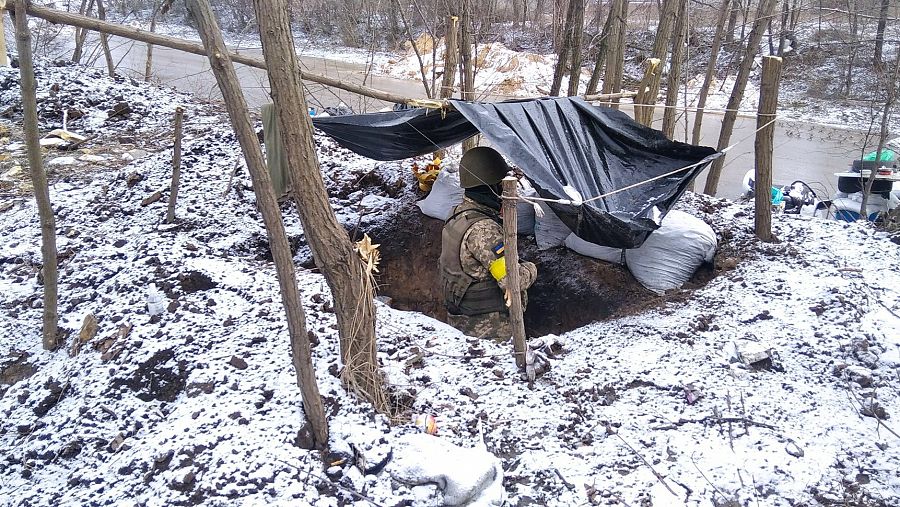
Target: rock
(88, 332)
(136, 154)
(93, 159)
(116, 443)
(152, 198)
(304, 439)
(794, 450)
(133, 179)
(860, 375)
(238, 363)
(62, 161)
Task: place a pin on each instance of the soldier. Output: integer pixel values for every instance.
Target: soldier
(473, 268)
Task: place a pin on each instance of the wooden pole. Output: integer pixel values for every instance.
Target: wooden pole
(511, 252)
(768, 103)
(176, 166)
(4, 59)
(610, 96)
(67, 18)
(38, 177)
(271, 213)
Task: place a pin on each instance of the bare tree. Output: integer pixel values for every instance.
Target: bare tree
(562, 56)
(81, 33)
(226, 77)
(710, 71)
(577, 10)
(602, 48)
(890, 84)
(104, 41)
(347, 275)
(877, 60)
(763, 12)
(674, 75)
(644, 115)
(615, 59)
(148, 67)
(467, 66)
(38, 177)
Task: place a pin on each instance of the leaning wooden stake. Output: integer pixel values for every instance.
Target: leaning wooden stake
(176, 166)
(768, 103)
(38, 177)
(226, 78)
(4, 60)
(511, 252)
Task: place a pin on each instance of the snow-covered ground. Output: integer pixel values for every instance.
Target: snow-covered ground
(198, 405)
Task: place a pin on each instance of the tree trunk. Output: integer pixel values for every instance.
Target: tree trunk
(176, 167)
(451, 57)
(674, 75)
(81, 33)
(227, 80)
(877, 58)
(562, 56)
(615, 60)
(643, 103)
(148, 67)
(350, 282)
(710, 71)
(467, 66)
(853, 48)
(644, 115)
(104, 41)
(38, 177)
(415, 47)
(782, 35)
(765, 135)
(737, 93)
(602, 48)
(732, 21)
(577, 39)
(4, 58)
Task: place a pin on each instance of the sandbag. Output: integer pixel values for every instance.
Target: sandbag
(586, 248)
(672, 253)
(525, 210)
(549, 230)
(445, 195)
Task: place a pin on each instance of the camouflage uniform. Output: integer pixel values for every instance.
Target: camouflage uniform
(476, 253)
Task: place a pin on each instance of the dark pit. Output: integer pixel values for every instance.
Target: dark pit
(571, 290)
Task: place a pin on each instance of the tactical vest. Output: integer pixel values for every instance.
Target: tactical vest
(463, 293)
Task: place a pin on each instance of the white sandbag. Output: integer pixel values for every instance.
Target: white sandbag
(672, 253)
(604, 253)
(525, 210)
(464, 476)
(549, 230)
(445, 195)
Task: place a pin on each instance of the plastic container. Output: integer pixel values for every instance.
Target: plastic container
(155, 304)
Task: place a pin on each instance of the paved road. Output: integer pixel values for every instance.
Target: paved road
(802, 151)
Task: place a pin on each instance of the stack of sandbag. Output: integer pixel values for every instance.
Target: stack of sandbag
(549, 230)
(445, 195)
(668, 257)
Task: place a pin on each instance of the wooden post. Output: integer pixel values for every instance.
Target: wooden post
(4, 60)
(511, 252)
(176, 166)
(768, 103)
(38, 177)
(451, 57)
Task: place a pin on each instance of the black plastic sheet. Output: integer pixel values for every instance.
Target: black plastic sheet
(569, 149)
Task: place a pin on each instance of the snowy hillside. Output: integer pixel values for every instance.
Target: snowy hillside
(776, 383)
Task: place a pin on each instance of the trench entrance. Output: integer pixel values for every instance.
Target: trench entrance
(571, 290)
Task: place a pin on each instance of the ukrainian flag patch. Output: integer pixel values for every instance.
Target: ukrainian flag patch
(498, 249)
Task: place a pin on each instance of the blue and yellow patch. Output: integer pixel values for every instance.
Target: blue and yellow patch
(498, 249)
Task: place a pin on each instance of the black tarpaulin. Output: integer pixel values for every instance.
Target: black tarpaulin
(569, 149)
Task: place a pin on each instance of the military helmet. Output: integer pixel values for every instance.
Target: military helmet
(481, 166)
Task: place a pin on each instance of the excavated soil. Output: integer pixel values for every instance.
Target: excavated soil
(571, 290)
